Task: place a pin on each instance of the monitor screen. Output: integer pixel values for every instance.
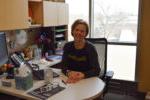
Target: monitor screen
(3, 49)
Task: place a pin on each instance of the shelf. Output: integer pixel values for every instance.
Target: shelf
(60, 30)
(60, 40)
(35, 25)
(59, 35)
(35, 0)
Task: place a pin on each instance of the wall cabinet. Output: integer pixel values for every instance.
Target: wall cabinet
(63, 13)
(13, 14)
(49, 13)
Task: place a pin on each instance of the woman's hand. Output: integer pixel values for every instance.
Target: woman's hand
(74, 76)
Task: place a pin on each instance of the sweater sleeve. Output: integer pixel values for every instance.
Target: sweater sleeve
(93, 62)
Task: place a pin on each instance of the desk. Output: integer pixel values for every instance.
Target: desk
(46, 64)
(85, 89)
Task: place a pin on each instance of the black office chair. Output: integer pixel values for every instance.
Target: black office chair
(101, 47)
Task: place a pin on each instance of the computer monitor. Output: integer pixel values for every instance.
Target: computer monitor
(3, 49)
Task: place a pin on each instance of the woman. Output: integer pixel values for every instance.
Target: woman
(80, 59)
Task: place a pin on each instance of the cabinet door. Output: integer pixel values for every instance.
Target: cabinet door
(50, 13)
(13, 14)
(55, 14)
(63, 14)
(2, 14)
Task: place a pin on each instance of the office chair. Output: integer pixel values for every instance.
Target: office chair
(101, 47)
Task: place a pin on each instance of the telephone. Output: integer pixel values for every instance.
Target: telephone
(17, 59)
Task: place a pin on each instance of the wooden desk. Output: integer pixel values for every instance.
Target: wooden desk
(85, 89)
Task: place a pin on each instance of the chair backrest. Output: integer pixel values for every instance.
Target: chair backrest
(101, 47)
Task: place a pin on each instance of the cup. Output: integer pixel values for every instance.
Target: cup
(48, 76)
(37, 53)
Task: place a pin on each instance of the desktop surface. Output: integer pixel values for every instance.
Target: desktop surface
(85, 89)
(43, 64)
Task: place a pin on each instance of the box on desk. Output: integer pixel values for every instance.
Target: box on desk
(24, 83)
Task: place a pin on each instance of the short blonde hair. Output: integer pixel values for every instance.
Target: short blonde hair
(77, 22)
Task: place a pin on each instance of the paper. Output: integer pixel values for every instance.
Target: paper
(54, 57)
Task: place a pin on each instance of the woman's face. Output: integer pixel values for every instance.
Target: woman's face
(79, 32)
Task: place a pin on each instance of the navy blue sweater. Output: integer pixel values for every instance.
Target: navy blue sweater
(84, 60)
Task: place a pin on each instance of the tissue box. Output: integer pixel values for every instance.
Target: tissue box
(24, 83)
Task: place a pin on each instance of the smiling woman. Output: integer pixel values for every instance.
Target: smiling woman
(77, 57)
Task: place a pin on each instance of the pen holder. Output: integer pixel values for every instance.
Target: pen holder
(24, 83)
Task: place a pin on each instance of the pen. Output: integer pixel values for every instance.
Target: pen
(64, 82)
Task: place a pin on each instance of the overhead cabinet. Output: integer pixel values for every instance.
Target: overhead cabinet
(63, 14)
(21, 14)
(49, 13)
(13, 14)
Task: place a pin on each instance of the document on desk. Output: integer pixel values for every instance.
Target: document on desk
(46, 91)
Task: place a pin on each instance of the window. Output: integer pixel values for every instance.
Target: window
(78, 9)
(121, 59)
(117, 20)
